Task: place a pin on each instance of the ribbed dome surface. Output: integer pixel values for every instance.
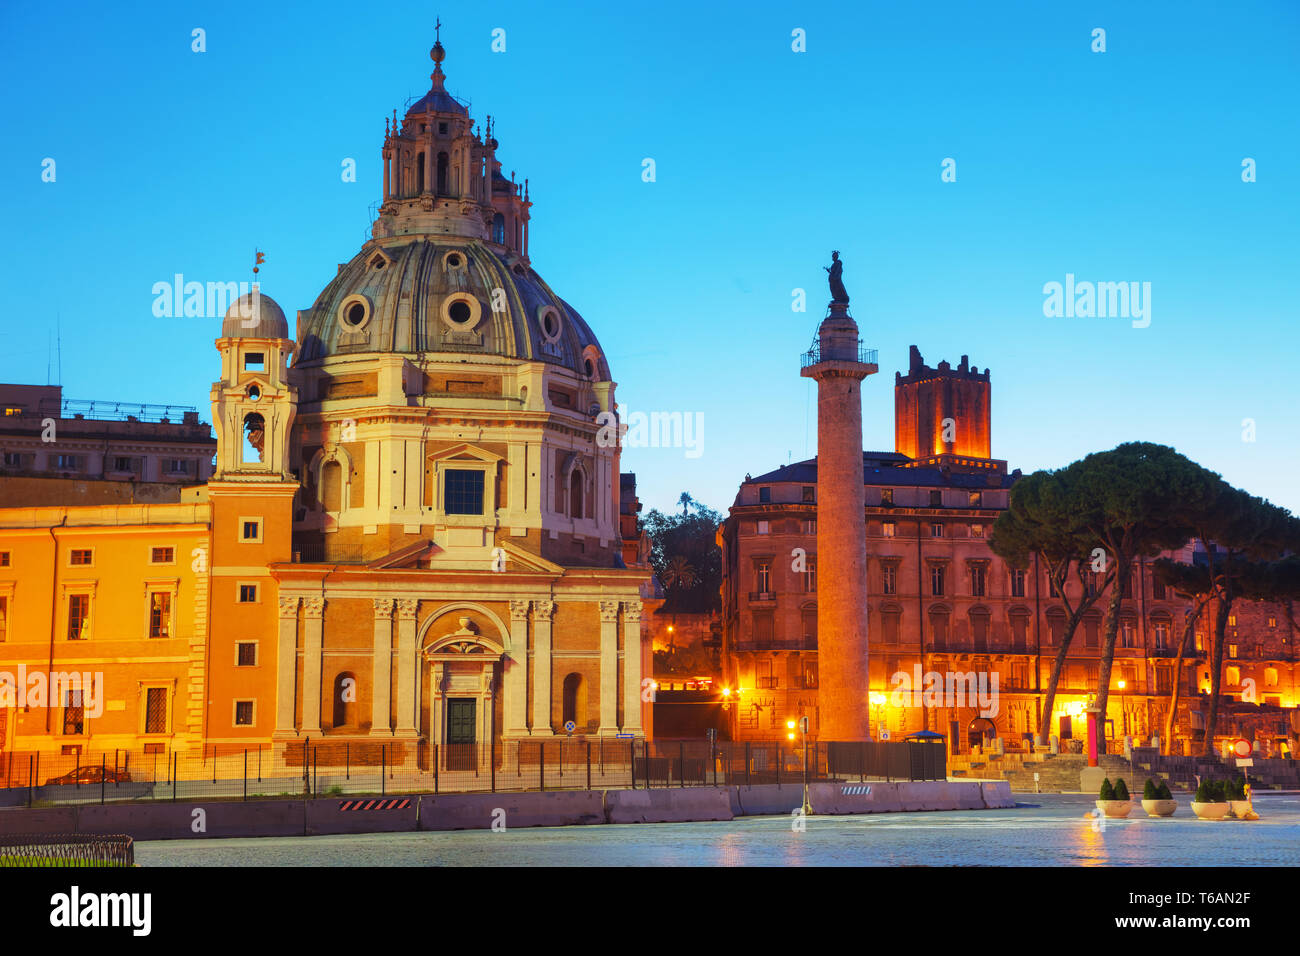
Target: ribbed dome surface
(394, 297)
(254, 316)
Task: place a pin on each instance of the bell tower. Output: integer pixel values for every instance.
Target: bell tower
(253, 405)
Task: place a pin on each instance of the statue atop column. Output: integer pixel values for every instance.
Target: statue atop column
(835, 275)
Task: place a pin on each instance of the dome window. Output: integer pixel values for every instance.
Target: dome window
(453, 261)
(519, 270)
(377, 262)
(461, 311)
(590, 366)
(254, 393)
(549, 318)
(354, 313)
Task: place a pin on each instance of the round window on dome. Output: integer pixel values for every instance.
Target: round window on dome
(354, 313)
(454, 260)
(461, 311)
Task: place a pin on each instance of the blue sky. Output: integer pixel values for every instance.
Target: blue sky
(1115, 166)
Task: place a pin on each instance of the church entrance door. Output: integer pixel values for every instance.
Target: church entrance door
(461, 736)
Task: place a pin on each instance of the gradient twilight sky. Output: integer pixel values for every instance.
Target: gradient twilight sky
(1116, 166)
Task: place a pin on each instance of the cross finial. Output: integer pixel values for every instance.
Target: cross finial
(437, 28)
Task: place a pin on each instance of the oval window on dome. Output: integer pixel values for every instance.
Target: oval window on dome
(548, 317)
(549, 325)
(590, 366)
(254, 393)
(454, 260)
(354, 312)
(460, 312)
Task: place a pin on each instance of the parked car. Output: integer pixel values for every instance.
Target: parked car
(90, 775)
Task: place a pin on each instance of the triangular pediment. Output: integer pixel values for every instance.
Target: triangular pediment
(407, 557)
(464, 452)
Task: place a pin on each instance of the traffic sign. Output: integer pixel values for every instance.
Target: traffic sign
(570, 726)
(1241, 747)
(1245, 762)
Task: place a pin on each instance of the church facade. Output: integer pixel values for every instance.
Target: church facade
(412, 531)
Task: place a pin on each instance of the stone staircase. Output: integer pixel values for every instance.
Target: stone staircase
(1060, 773)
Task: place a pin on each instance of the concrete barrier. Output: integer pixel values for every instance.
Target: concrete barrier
(997, 795)
(852, 797)
(179, 821)
(362, 815)
(668, 806)
(38, 820)
(478, 811)
(766, 799)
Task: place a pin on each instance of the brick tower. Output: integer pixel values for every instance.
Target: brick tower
(941, 412)
(839, 364)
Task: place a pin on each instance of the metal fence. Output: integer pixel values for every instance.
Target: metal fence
(330, 768)
(67, 849)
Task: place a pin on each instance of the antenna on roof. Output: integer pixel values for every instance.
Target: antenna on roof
(58, 325)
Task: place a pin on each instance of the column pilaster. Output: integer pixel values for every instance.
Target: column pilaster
(382, 668)
(543, 612)
(286, 661)
(515, 677)
(407, 669)
(313, 610)
(632, 667)
(608, 668)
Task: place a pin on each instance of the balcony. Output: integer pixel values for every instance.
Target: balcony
(814, 357)
(762, 596)
(777, 644)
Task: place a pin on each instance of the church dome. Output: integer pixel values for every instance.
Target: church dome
(456, 294)
(254, 315)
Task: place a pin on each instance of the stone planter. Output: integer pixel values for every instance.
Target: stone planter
(1240, 808)
(1210, 811)
(1115, 808)
(1160, 808)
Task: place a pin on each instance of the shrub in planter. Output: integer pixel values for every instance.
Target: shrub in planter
(1209, 803)
(1111, 802)
(1157, 801)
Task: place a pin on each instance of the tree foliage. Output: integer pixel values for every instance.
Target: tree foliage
(686, 541)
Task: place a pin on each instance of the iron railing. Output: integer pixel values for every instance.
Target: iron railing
(310, 768)
(814, 357)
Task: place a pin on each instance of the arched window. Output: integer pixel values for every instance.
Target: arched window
(499, 229)
(331, 486)
(253, 438)
(419, 173)
(442, 174)
(575, 700)
(345, 700)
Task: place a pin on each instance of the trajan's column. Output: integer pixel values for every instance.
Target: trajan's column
(839, 364)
